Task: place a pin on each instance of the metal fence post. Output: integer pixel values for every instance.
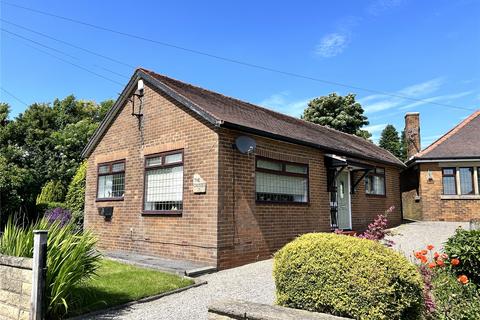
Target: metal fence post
(37, 304)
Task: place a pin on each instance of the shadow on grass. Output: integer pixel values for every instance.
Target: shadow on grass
(88, 299)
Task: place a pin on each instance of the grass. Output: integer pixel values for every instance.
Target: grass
(117, 283)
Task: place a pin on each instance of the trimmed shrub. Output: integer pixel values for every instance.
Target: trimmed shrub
(347, 276)
(71, 258)
(75, 199)
(465, 245)
(52, 191)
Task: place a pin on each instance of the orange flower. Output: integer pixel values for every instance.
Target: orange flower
(430, 247)
(424, 252)
(455, 262)
(436, 255)
(423, 259)
(418, 254)
(463, 279)
(440, 263)
(432, 265)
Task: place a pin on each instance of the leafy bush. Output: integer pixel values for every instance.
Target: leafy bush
(75, 199)
(52, 191)
(71, 258)
(465, 245)
(454, 300)
(347, 276)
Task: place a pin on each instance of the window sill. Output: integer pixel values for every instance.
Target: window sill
(375, 195)
(108, 199)
(162, 212)
(260, 202)
(461, 197)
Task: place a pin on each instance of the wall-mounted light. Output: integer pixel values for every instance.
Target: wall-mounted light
(429, 176)
(137, 111)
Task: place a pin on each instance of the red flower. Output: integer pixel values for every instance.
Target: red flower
(444, 256)
(440, 263)
(455, 262)
(463, 279)
(436, 255)
(418, 254)
(424, 252)
(432, 265)
(430, 247)
(423, 259)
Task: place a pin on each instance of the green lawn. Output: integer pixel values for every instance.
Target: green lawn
(117, 283)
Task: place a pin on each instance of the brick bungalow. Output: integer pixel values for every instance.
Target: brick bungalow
(442, 181)
(169, 176)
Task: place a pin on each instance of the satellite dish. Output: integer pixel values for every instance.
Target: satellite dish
(245, 144)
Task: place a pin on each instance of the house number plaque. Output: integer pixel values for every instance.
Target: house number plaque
(199, 185)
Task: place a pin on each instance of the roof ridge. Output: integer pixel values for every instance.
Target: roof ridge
(264, 108)
(448, 134)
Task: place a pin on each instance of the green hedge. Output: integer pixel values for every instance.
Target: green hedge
(52, 191)
(347, 276)
(75, 199)
(465, 245)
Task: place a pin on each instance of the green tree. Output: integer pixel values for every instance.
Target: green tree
(389, 140)
(42, 144)
(342, 113)
(4, 113)
(75, 199)
(52, 191)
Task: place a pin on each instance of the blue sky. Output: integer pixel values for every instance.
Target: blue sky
(423, 49)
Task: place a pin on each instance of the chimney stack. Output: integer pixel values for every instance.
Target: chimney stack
(412, 133)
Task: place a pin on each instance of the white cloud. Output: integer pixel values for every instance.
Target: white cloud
(281, 103)
(375, 128)
(332, 44)
(378, 102)
(443, 98)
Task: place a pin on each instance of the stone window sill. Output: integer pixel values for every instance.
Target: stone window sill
(461, 197)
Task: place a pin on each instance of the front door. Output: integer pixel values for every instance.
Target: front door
(343, 201)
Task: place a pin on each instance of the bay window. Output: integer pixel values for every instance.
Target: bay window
(281, 181)
(375, 182)
(164, 183)
(111, 180)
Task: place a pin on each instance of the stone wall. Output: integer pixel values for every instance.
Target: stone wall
(239, 310)
(15, 287)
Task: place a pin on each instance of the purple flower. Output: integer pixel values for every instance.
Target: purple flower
(58, 214)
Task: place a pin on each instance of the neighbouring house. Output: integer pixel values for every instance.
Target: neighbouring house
(181, 172)
(442, 181)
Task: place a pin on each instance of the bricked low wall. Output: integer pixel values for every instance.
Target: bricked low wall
(15, 287)
(241, 310)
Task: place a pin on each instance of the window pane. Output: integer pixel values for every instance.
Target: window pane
(380, 170)
(375, 184)
(154, 161)
(105, 186)
(296, 168)
(448, 171)
(118, 185)
(103, 168)
(449, 185)
(164, 189)
(118, 167)
(466, 180)
(271, 165)
(173, 158)
(273, 187)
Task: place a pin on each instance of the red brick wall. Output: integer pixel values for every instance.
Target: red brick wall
(438, 209)
(166, 126)
(255, 231)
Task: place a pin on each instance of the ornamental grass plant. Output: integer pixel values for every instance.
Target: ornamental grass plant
(71, 258)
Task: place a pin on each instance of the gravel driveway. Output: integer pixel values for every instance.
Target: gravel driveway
(410, 237)
(254, 282)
